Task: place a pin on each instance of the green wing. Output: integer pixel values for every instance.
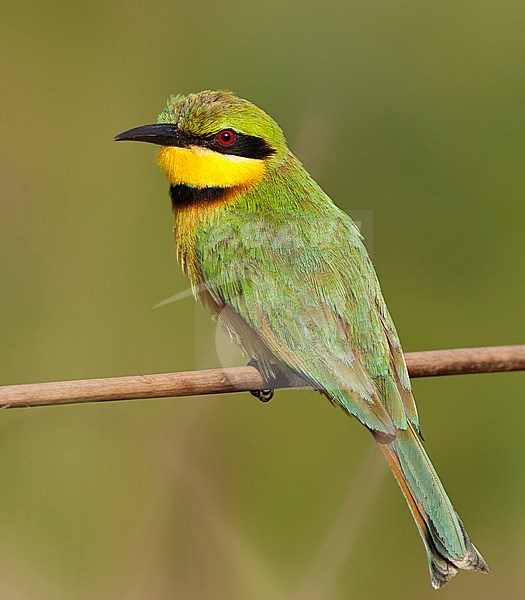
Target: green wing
(305, 284)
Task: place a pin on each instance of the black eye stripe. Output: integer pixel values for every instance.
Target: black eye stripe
(248, 146)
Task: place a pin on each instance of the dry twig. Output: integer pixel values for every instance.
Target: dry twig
(240, 379)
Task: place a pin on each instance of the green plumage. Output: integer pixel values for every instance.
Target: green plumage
(288, 261)
(286, 273)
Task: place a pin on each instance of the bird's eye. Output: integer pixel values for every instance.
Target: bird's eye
(226, 137)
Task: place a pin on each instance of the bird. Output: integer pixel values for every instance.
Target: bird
(286, 274)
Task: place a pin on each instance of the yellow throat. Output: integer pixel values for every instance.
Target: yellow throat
(200, 167)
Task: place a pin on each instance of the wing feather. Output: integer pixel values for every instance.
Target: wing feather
(314, 301)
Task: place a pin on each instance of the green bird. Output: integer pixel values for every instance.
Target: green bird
(286, 274)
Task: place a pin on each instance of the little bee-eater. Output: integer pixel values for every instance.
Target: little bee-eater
(286, 274)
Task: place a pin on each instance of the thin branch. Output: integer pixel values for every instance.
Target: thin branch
(241, 379)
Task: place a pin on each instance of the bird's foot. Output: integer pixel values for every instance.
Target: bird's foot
(263, 395)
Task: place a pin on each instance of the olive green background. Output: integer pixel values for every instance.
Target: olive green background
(411, 112)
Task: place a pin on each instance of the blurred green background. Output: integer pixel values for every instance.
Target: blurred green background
(412, 112)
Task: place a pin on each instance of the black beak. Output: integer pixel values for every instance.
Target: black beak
(163, 134)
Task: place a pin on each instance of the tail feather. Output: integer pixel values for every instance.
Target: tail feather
(447, 543)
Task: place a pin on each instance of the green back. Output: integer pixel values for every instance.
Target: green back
(293, 265)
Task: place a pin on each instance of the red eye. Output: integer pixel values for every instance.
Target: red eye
(226, 137)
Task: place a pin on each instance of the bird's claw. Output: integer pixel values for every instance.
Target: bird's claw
(263, 395)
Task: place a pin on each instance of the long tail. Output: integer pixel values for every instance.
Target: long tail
(447, 543)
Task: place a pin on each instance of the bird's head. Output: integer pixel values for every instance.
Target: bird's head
(213, 139)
